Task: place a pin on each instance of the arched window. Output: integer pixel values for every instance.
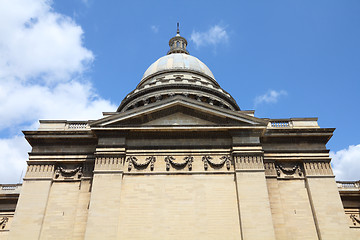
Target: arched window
(177, 44)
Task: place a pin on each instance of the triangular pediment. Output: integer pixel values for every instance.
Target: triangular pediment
(179, 111)
(178, 118)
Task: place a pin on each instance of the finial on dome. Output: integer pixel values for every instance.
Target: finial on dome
(178, 43)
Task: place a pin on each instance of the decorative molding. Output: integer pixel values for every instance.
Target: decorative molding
(112, 163)
(248, 162)
(3, 222)
(318, 168)
(207, 159)
(170, 160)
(40, 171)
(133, 161)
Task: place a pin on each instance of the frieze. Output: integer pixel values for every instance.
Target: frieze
(142, 163)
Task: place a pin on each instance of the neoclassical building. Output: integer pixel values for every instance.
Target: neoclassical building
(179, 159)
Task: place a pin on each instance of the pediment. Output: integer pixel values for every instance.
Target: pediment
(179, 111)
(178, 118)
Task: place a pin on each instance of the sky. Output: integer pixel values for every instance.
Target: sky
(74, 59)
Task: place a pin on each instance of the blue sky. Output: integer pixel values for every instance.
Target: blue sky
(73, 59)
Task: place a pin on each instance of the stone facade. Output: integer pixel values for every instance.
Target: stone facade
(180, 160)
(350, 196)
(9, 194)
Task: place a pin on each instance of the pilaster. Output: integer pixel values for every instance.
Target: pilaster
(289, 199)
(325, 200)
(104, 208)
(252, 192)
(31, 207)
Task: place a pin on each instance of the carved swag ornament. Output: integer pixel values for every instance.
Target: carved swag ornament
(224, 160)
(133, 161)
(68, 172)
(288, 170)
(187, 161)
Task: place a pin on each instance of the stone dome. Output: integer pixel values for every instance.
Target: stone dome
(178, 74)
(178, 61)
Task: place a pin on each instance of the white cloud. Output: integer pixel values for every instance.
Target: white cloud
(154, 28)
(346, 163)
(271, 96)
(42, 61)
(14, 153)
(213, 36)
(35, 41)
(30, 102)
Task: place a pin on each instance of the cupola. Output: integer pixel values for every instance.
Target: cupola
(178, 43)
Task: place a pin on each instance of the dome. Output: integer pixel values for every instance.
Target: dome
(178, 61)
(178, 74)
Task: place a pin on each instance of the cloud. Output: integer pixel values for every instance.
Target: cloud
(37, 42)
(346, 163)
(213, 36)
(154, 28)
(271, 96)
(42, 66)
(24, 103)
(14, 153)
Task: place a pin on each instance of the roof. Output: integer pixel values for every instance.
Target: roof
(178, 61)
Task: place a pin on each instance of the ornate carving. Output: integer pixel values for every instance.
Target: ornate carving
(206, 159)
(3, 222)
(355, 219)
(288, 170)
(189, 160)
(133, 161)
(224, 159)
(68, 172)
(170, 160)
(227, 161)
(152, 159)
